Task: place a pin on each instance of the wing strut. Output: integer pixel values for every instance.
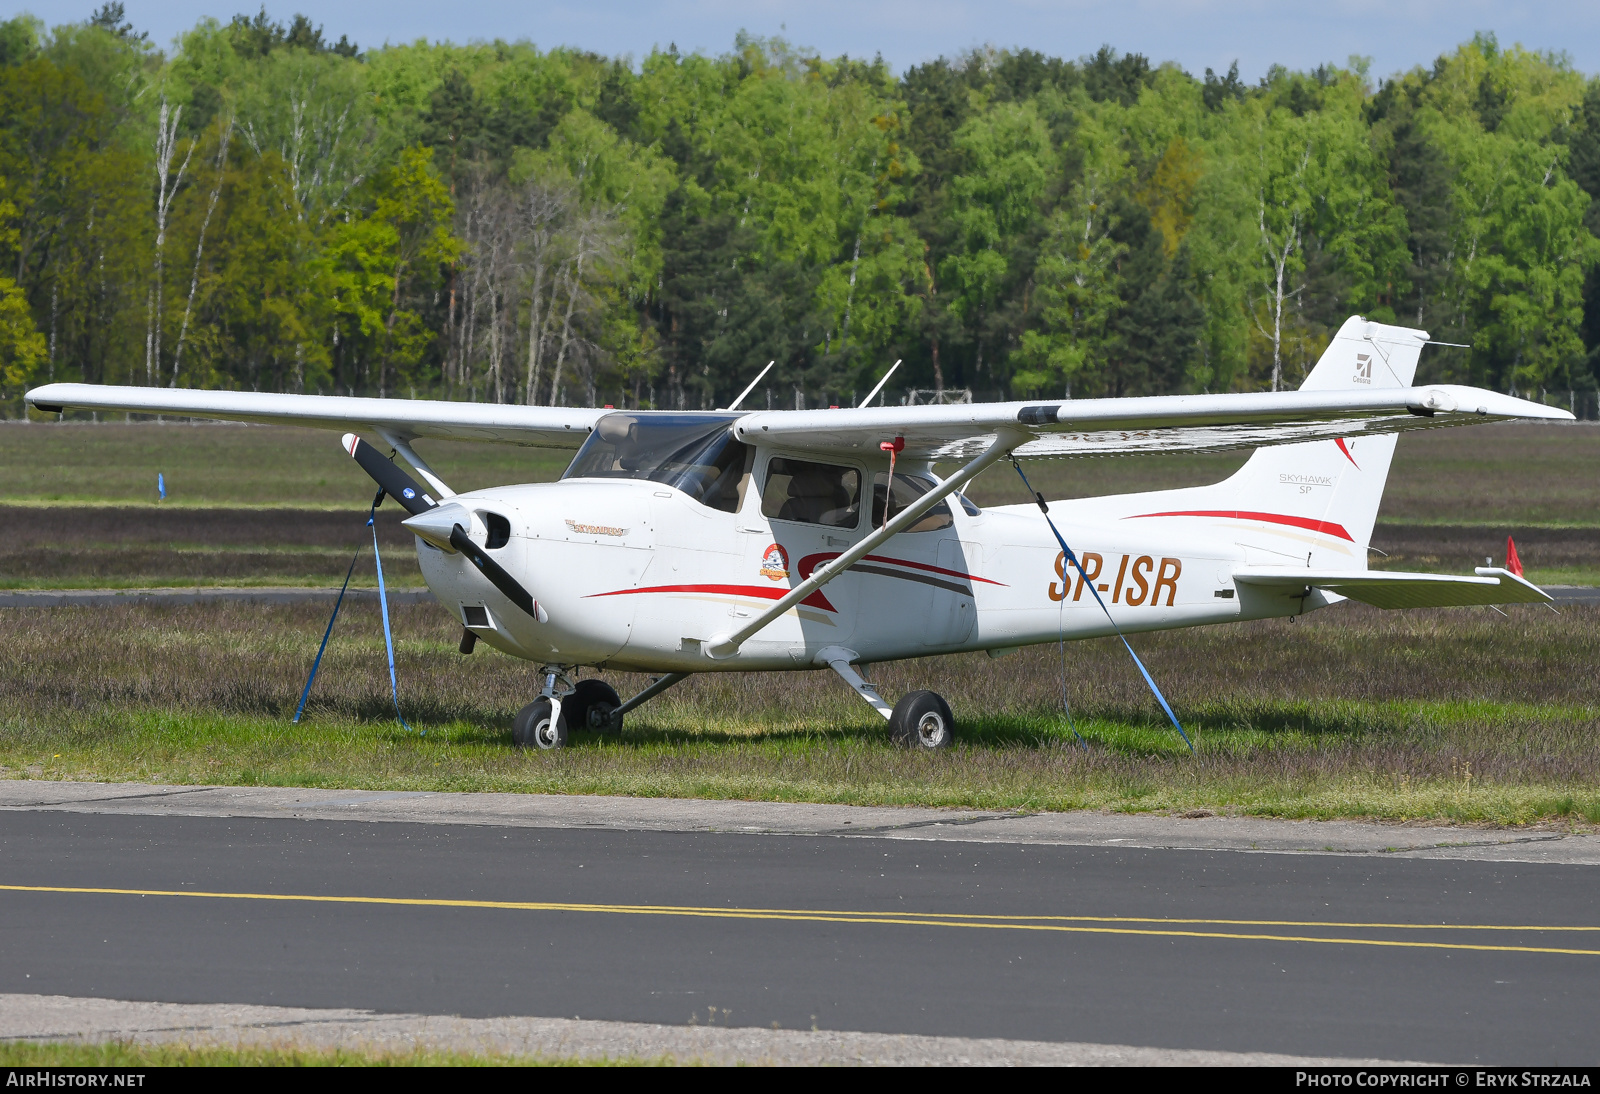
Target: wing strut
(726, 645)
(402, 444)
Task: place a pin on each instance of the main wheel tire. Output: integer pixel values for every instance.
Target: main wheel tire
(532, 727)
(590, 706)
(922, 720)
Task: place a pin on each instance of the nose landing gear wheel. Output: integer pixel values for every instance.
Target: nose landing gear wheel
(590, 706)
(922, 720)
(533, 727)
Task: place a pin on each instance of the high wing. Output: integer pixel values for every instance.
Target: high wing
(1113, 427)
(1082, 427)
(404, 419)
(1394, 589)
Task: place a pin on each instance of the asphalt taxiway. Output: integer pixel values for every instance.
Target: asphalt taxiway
(1078, 933)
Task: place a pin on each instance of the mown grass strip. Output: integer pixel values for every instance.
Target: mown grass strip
(1439, 716)
(127, 1054)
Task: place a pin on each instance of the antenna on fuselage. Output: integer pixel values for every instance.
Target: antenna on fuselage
(873, 394)
(735, 404)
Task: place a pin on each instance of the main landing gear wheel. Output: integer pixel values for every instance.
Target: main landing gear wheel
(590, 706)
(922, 720)
(533, 727)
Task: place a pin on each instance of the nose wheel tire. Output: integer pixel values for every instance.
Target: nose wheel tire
(533, 727)
(922, 720)
(590, 706)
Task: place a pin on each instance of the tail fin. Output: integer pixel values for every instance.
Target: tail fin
(1332, 489)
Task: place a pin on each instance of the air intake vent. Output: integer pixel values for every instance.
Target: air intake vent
(475, 615)
(499, 530)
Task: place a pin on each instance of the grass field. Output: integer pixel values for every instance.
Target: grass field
(277, 506)
(232, 466)
(1504, 474)
(25, 1054)
(64, 547)
(1460, 715)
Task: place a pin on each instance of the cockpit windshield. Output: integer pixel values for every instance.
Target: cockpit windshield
(695, 453)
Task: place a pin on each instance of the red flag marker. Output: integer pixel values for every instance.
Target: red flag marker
(1513, 563)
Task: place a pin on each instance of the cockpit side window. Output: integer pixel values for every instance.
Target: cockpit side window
(725, 480)
(695, 453)
(812, 493)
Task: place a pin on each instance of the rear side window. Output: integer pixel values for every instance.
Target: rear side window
(907, 489)
(812, 493)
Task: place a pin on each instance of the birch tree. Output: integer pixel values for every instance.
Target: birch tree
(313, 112)
(1283, 205)
(167, 184)
(594, 247)
(543, 211)
(224, 138)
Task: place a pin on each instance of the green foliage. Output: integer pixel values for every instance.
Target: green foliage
(386, 257)
(19, 39)
(22, 348)
(495, 221)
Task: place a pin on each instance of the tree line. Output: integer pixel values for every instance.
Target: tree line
(264, 209)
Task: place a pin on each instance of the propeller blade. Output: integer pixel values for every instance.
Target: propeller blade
(390, 479)
(404, 489)
(493, 571)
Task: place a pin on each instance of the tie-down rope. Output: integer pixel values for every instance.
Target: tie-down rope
(383, 605)
(1084, 580)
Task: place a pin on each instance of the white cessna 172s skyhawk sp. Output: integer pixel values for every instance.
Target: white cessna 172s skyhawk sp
(679, 543)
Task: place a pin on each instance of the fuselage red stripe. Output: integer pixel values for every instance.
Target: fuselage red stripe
(761, 592)
(764, 592)
(933, 569)
(1324, 526)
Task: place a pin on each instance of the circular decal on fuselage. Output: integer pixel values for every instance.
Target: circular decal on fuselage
(775, 563)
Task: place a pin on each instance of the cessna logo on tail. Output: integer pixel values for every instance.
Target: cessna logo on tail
(1363, 368)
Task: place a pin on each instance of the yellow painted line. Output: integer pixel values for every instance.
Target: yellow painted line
(1237, 922)
(1077, 925)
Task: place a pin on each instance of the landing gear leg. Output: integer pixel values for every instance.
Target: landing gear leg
(839, 660)
(614, 722)
(541, 724)
(920, 720)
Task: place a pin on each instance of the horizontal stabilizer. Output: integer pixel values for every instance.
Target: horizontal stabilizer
(1392, 589)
